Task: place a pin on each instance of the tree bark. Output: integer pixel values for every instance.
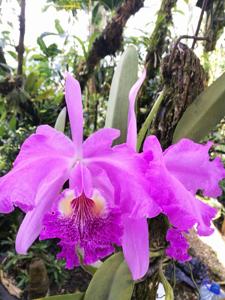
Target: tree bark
(109, 41)
(215, 22)
(155, 50)
(20, 48)
(184, 79)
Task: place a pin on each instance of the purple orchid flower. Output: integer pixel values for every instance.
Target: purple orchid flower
(174, 177)
(104, 204)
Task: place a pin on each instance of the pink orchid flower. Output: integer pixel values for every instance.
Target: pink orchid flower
(175, 175)
(104, 203)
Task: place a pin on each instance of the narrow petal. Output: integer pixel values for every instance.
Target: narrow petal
(135, 243)
(99, 141)
(75, 111)
(32, 223)
(132, 123)
(189, 162)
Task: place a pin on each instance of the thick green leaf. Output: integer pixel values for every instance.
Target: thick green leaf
(61, 120)
(112, 281)
(204, 113)
(76, 296)
(123, 79)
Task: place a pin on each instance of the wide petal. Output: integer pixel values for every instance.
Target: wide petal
(132, 123)
(75, 111)
(31, 226)
(41, 153)
(99, 141)
(179, 204)
(189, 162)
(125, 170)
(135, 243)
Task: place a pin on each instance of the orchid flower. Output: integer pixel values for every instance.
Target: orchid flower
(105, 192)
(175, 175)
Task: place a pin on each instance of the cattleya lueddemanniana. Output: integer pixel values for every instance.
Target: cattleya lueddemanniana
(112, 190)
(106, 191)
(175, 175)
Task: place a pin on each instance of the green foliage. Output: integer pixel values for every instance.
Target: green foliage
(124, 77)
(76, 296)
(204, 113)
(112, 281)
(17, 265)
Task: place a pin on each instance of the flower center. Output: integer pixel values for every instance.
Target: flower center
(82, 209)
(80, 222)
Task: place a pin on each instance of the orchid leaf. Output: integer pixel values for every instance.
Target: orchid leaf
(124, 77)
(111, 281)
(61, 120)
(76, 296)
(143, 131)
(204, 113)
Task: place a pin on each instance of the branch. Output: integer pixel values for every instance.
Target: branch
(110, 40)
(154, 52)
(215, 23)
(20, 48)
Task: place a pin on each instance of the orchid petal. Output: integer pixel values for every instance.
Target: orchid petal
(189, 163)
(99, 141)
(81, 180)
(135, 243)
(20, 185)
(75, 111)
(32, 223)
(132, 124)
(102, 184)
(47, 142)
(47, 147)
(179, 204)
(125, 168)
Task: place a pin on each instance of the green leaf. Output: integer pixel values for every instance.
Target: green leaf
(82, 45)
(76, 296)
(124, 77)
(13, 54)
(41, 44)
(58, 27)
(145, 126)
(61, 120)
(32, 82)
(12, 123)
(112, 281)
(204, 113)
(52, 50)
